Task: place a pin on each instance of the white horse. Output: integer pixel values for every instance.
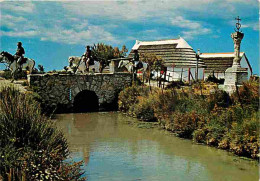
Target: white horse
(6, 57)
(79, 64)
(129, 66)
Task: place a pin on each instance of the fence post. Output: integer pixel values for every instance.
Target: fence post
(189, 75)
(181, 73)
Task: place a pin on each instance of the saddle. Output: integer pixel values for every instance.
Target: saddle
(24, 60)
(91, 62)
(139, 65)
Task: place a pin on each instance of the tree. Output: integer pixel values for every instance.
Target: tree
(155, 63)
(41, 68)
(103, 52)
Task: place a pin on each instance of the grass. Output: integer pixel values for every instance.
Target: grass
(216, 119)
(32, 148)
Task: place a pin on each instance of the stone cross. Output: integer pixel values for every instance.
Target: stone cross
(237, 38)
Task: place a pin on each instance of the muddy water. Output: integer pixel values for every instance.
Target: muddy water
(114, 151)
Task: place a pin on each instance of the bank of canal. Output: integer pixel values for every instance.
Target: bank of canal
(113, 150)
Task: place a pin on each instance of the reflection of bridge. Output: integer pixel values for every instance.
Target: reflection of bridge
(83, 92)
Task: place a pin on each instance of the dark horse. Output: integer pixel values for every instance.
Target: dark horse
(7, 58)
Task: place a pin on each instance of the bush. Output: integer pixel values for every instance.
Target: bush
(164, 103)
(175, 84)
(216, 119)
(219, 99)
(31, 146)
(199, 135)
(244, 137)
(212, 78)
(6, 74)
(143, 110)
(128, 97)
(248, 94)
(185, 123)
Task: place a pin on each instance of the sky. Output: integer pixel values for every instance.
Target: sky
(51, 31)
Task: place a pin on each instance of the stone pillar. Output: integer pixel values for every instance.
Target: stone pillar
(112, 66)
(237, 38)
(235, 75)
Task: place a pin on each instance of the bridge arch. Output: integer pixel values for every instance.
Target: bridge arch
(86, 101)
(65, 90)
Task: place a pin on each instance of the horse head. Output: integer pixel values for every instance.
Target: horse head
(71, 60)
(6, 57)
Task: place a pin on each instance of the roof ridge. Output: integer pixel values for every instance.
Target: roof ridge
(157, 40)
(222, 53)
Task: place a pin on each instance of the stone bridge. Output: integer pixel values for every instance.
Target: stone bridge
(80, 92)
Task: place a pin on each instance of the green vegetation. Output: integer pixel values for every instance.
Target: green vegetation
(216, 119)
(103, 52)
(18, 75)
(32, 148)
(41, 69)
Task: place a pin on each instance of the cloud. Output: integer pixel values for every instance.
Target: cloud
(11, 21)
(191, 34)
(254, 26)
(51, 24)
(70, 36)
(184, 23)
(19, 7)
(193, 28)
(19, 33)
(109, 21)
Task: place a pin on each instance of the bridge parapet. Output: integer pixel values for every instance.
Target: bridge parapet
(61, 89)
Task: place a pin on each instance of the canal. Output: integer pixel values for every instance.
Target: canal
(115, 151)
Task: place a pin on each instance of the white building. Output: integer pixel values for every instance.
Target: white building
(217, 63)
(178, 56)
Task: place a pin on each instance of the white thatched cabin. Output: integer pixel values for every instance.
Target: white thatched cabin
(217, 63)
(179, 57)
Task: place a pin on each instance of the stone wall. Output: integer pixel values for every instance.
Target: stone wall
(61, 89)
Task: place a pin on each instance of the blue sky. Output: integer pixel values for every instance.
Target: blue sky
(53, 31)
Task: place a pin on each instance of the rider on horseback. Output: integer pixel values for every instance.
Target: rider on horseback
(87, 57)
(136, 61)
(18, 56)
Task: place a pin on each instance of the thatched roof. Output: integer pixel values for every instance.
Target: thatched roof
(174, 52)
(219, 62)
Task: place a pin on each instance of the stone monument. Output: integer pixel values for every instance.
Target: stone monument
(235, 75)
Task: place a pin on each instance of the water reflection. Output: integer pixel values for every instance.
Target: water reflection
(115, 151)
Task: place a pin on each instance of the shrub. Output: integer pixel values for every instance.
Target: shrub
(219, 99)
(185, 123)
(175, 84)
(244, 137)
(248, 94)
(128, 97)
(30, 144)
(143, 110)
(199, 135)
(6, 74)
(212, 78)
(164, 103)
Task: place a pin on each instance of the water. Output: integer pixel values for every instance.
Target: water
(114, 151)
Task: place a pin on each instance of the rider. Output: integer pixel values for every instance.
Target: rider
(19, 54)
(136, 60)
(87, 57)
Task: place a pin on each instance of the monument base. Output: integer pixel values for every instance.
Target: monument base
(234, 77)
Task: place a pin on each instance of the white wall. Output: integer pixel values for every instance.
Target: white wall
(245, 65)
